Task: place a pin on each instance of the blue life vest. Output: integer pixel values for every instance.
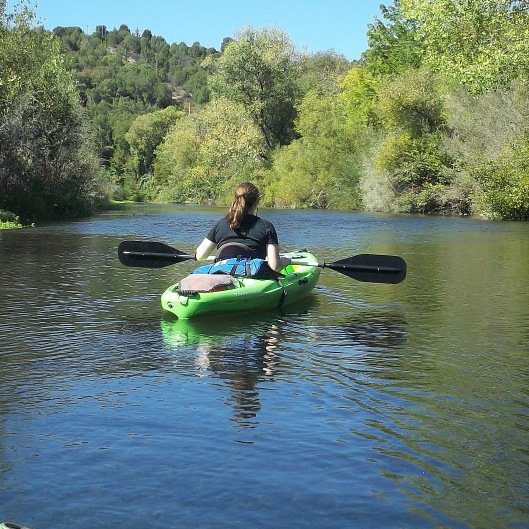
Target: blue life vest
(239, 267)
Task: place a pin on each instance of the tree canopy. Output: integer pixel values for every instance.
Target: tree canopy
(431, 119)
(47, 168)
(258, 69)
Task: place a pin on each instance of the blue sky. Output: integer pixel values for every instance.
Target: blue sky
(314, 25)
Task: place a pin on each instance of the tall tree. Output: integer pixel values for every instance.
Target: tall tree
(258, 69)
(393, 44)
(205, 154)
(320, 169)
(480, 43)
(145, 134)
(46, 165)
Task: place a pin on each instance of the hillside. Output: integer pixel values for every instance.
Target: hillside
(122, 74)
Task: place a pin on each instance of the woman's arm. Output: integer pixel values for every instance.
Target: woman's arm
(275, 261)
(204, 249)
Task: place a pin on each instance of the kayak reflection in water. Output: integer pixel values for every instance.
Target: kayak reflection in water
(247, 234)
(240, 354)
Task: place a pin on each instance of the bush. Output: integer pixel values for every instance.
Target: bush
(486, 136)
(47, 168)
(505, 184)
(206, 154)
(412, 102)
(409, 167)
(412, 163)
(8, 216)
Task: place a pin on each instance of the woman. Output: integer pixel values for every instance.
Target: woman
(242, 226)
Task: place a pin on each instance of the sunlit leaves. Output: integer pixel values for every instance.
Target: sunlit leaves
(321, 169)
(145, 134)
(206, 153)
(480, 43)
(393, 43)
(46, 166)
(505, 183)
(412, 102)
(258, 69)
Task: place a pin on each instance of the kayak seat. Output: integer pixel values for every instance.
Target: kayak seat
(234, 249)
(194, 283)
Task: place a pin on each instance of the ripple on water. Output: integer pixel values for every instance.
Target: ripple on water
(404, 405)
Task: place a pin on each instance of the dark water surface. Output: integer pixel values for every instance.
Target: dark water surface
(370, 406)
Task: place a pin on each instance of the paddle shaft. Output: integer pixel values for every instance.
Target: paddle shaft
(176, 257)
(362, 268)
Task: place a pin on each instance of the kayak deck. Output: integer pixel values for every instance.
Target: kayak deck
(248, 294)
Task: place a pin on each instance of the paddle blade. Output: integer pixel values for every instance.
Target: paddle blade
(148, 254)
(371, 268)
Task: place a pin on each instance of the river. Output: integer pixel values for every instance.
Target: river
(368, 405)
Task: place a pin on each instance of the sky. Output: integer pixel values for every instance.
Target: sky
(312, 25)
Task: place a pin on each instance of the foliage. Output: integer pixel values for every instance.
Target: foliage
(46, 166)
(123, 75)
(205, 154)
(8, 216)
(505, 183)
(488, 140)
(359, 94)
(320, 169)
(9, 220)
(481, 43)
(258, 69)
(432, 119)
(321, 71)
(393, 46)
(481, 128)
(409, 153)
(412, 102)
(145, 134)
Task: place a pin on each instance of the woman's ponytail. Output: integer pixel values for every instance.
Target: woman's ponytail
(245, 198)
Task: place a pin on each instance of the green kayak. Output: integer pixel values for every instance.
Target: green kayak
(245, 294)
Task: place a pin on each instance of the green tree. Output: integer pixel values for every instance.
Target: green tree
(505, 183)
(409, 158)
(321, 169)
(146, 132)
(480, 43)
(206, 153)
(488, 139)
(322, 71)
(359, 91)
(393, 44)
(46, 164)
(258, 69)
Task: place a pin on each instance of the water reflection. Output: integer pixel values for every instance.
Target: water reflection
(240, 353)
(406, 406)
(370, 329)
(244, 354)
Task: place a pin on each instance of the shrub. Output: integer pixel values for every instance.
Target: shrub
(505, 184)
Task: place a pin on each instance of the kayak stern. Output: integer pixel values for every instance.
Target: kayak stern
(247, 294)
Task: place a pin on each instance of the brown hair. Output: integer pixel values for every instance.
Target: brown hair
(245, 198)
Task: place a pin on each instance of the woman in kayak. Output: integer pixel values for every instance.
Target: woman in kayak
(243, 227)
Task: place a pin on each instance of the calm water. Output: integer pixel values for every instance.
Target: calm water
(372, 406)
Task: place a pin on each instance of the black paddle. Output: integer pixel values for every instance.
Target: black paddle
(369, 268)
(146, 254)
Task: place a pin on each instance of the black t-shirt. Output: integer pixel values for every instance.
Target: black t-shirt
(255, 232)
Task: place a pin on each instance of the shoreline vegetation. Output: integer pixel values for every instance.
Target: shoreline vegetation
(433, 118)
